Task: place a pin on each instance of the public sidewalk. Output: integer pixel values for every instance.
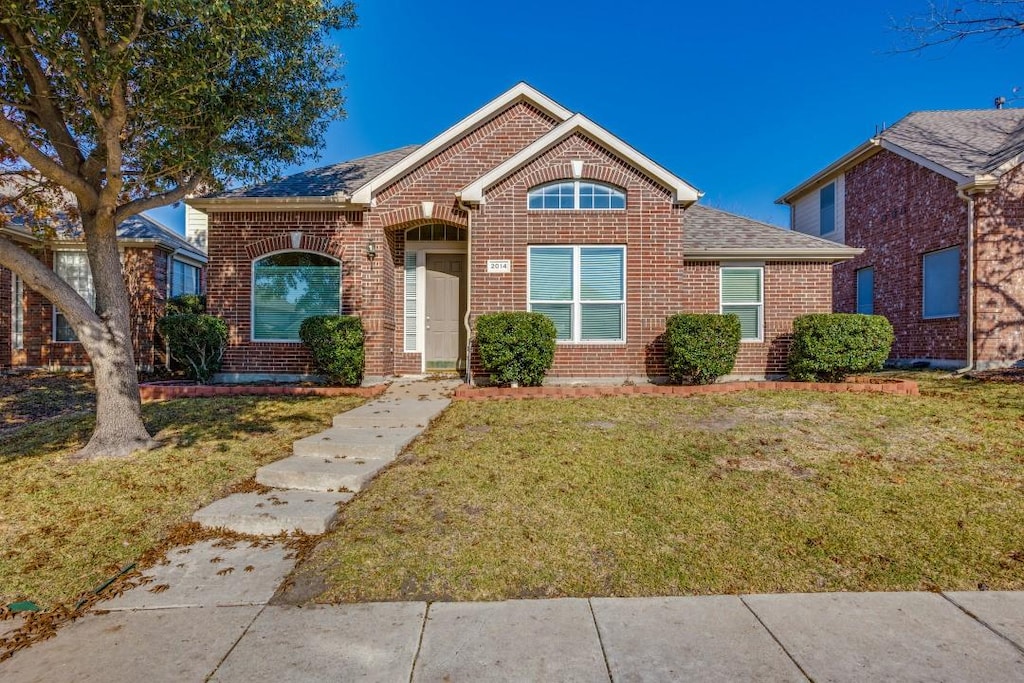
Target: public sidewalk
(794, 637)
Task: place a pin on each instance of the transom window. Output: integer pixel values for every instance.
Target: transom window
(743, 295)
(436, 233)
(289, 287)
(576, 194)
(582, 290)
(73, 268)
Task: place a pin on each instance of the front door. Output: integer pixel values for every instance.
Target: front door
(446, 307)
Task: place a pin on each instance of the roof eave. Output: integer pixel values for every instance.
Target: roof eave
(682, 192)
(828, 255)
(867, 149)
(312, 203)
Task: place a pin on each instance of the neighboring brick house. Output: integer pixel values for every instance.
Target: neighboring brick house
(937, 203)
(158, 263)
(523, 205)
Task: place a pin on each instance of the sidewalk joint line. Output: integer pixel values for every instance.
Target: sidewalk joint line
(984, 623)
(778, 642)
(419, 643)
(237, 641)
(600, 641)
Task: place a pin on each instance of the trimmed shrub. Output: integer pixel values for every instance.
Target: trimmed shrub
(701, 347)
(832, 346)
(516, 347)
(194, 304)
(196, 342)
(336, 343)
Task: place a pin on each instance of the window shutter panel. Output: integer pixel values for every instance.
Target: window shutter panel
(410, 301)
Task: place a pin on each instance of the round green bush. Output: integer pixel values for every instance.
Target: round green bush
(336, 344)
(701, 347)
(516, 347)
(196, 342)
(832, 346)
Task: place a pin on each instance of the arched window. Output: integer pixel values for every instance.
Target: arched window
(576, 194)
(289, 287)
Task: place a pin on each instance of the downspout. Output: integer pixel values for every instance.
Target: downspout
(469, 289)
(970, 284)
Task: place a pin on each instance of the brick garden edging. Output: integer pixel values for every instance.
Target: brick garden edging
(900, 387)
(164, 392)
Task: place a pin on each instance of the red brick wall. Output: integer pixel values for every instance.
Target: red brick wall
(899, 210)
(999, 268)
(791, 289)
(5, 318)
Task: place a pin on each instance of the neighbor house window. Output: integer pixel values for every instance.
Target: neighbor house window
(866, 291)
(17, 313)
(184, 278)
(941, 283)
(289, 287)
(582, 290)
(827, 207)
(73, 268)
(743, 294)
(576, 194)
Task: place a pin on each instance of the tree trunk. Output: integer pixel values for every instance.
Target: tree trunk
(119, 428)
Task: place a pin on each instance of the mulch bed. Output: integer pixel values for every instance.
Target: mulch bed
(1010, 375)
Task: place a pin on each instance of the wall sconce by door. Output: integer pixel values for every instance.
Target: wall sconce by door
(371, 250)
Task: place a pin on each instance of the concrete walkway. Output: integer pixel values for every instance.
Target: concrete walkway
(820, 637)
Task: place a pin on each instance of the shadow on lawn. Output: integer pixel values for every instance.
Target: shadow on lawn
(176, 424)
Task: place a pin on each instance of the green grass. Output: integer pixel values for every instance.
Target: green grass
(751, 492)
(65, 524)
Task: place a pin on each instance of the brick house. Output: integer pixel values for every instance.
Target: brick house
(937, 203)
(158, 263)
(522, 205)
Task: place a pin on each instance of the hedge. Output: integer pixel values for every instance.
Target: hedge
(832, 346)
(336, 343)
(186, 303)
(516, 347)
(196, 342)
(701, 347)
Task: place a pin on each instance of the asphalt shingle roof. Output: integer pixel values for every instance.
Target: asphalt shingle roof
(707, 229)
(344, 177)
(967, 141)
(137, 227)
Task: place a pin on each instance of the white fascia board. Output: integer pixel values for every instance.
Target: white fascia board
(318, 203)
(838, 254)
(848, 160)
(521, 92)
(682, 192)
(927, 163)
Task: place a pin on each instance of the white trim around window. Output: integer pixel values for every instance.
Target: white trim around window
(252, 294)
(607, 290)
(17, 313)
(741, 299)
(576, 195)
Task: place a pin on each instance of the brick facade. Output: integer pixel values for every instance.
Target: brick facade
(899, 211)
(146, 277)
(659, 280)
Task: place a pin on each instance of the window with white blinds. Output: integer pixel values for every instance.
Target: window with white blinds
(73, 268)
(582, 290)
(17, 313)
(289, 287)
(184, 278)
(411, 302)
(743, 295)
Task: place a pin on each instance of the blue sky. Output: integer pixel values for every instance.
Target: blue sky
(743, 99)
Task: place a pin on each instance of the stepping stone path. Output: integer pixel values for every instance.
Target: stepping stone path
(327, 469)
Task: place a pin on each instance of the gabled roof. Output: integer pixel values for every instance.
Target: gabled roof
(715, 234)
(972, 147)
(682, 192)
(328, 181)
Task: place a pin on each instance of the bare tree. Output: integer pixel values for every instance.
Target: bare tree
(954, 22)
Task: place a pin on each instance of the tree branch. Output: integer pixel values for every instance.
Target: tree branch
(155, 201)
(19, 143)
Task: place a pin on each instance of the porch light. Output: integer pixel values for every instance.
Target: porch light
(371, 250)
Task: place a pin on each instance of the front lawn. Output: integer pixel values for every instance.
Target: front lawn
(749, 492)
(65, 525)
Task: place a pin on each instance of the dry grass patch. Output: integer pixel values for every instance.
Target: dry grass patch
(65, 525)
(751, 492)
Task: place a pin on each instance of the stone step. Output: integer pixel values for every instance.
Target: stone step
(339, 473)
(268, 514)
(361, 442)
(399, 413)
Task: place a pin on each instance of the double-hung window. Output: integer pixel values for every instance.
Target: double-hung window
(743, 294)
(184, 278)
(17, 313)
(866, 290)
(289, 287)
(73, 268)
(941, 280)
(582, 289)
